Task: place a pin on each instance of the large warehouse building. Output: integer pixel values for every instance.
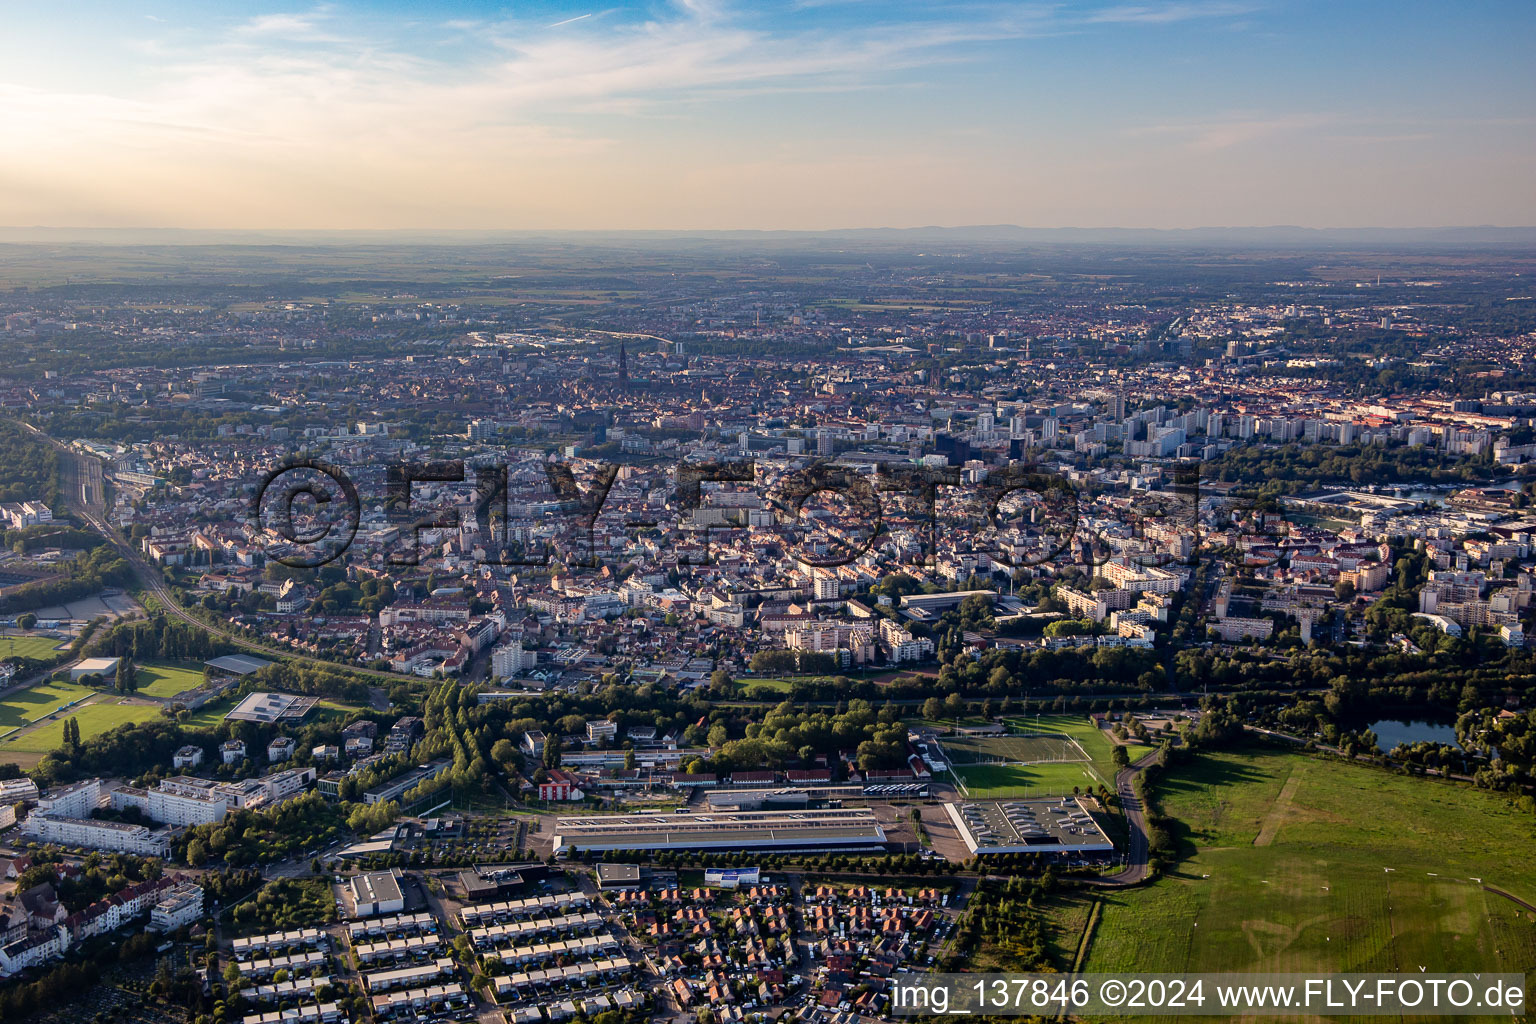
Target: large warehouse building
(1059, 825)
(841, 829)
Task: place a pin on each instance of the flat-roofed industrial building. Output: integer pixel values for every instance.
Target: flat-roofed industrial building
(377, 892)
(1057, 825)
(837, 828)
(272, 707)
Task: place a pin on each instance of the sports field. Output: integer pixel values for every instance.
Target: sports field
(1295, 864)
(997, 781)
(43, 648)
(968, 750)
(1090, 737)
(37, 702)
(1047, 741)
(773, 685)
(167, 679)
(101, 715)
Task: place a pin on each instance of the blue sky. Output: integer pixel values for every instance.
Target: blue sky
(809, 114)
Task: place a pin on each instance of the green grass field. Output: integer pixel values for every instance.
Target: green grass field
(96, 718)
(40, 647)
(1091, 738)
(210, 715)
(943, 724)
(1000, 781)
(167, 679)
(1295, 864)
(37, 702)
(332, 711)
(746, 686)
(997, 781)
(1012, 749)
(1065, 918)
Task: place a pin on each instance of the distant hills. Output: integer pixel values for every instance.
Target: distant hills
(985, 234)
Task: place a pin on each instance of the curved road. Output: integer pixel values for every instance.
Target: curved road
(1135, 870)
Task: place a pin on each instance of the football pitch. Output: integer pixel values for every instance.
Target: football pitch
(1045, 757)
(1002, 781)
(43, 648)
(969, 750)
(167, 679)
(38, 702)
(95, 718)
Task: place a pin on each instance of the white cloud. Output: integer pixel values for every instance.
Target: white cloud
(323, 118)
(290, 28)
(1169, 13)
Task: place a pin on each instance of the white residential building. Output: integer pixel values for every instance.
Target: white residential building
(13, 791)
(114, 836)
(74, 801)
(511, 660)
(901, 645)
(269, 789)
(176, 801)
(37, 948)
(179, 907)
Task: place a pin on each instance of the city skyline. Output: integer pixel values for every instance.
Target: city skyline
(808, 116)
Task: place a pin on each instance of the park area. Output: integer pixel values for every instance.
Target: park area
(1043, 755)
(1298, 864)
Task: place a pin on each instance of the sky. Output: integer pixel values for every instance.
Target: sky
(807, 114)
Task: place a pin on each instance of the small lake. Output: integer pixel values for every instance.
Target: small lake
(1390, 732)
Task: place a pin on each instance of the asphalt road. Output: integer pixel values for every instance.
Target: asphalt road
(1135, 870)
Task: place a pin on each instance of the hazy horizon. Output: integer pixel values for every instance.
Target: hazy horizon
(1272, 234)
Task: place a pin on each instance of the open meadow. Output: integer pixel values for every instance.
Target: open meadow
(1298, 864)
